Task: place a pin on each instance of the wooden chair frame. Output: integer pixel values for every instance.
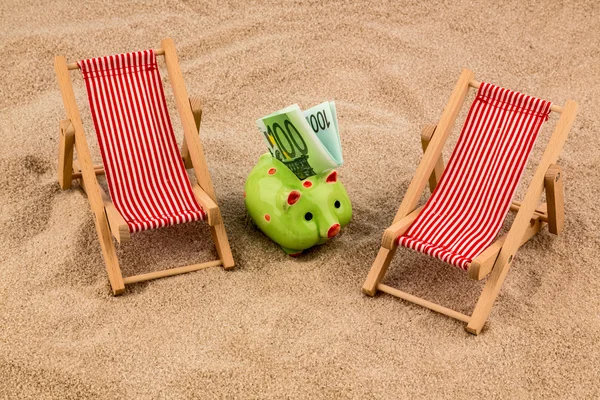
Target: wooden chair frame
(496, 259)
(107, 218)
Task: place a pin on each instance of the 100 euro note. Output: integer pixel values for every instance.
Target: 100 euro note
(308, 142)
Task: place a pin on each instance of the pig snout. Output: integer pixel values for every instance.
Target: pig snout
(333, 230)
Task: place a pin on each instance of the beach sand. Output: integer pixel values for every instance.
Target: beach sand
(278, 326)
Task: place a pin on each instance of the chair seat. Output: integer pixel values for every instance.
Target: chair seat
(145, 173)
(469, 204)
(167, 219)
(446, 254)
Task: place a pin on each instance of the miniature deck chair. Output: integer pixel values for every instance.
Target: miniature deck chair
(145, 172)
(473, 193)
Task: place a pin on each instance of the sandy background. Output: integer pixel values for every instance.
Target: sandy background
(276, 326)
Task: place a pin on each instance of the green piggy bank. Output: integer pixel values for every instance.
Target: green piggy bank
(296, 214)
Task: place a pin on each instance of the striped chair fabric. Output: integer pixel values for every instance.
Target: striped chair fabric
(467, 208)
(146, 177)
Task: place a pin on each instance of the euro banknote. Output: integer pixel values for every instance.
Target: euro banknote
(308, 142)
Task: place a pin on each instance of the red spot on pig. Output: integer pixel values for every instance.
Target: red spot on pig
(307, 184)
(267, 217)
(272, 171)
(293, 197)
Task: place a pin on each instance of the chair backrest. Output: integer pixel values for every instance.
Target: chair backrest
(469, 204)
(146, 177)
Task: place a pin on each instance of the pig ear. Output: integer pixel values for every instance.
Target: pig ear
(293, 197)
(332, 177)
(287, 197)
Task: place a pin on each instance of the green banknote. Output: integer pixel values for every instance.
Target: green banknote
(308, 142)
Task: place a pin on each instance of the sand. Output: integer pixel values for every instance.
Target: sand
(276, 326)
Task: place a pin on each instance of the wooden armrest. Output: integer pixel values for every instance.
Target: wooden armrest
(116, 222)
(391, 234)
(213, 215)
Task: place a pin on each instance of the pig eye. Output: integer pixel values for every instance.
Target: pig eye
(308, 216)
(337, 204)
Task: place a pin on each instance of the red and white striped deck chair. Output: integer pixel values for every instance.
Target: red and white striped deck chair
(145, 172)
(472, 195)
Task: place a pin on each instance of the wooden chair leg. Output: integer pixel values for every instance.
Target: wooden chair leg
(110, 254)
(492, 286)
(378, 270)
(484, 262)
(438, 170)
(66, 139)
(553, 183)
(488, 296)
(219, 236)
(217, 228)
(386, 252)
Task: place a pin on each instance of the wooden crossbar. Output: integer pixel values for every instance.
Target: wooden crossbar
(71, 66)
(423, 303)
(540, 212)
(170, 272)
(557, 109)
(98, 170)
